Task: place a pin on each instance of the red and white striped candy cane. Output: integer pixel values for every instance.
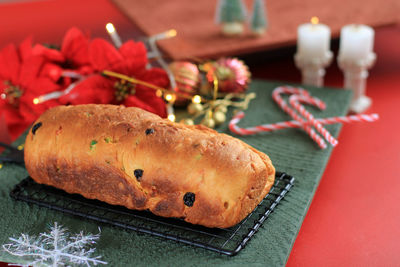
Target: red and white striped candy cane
(294, 124)
(236, 129)
(352, 118)
(276, 95)
(294, 101)
(260, 128)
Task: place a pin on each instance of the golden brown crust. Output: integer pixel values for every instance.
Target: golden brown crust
(98, 150)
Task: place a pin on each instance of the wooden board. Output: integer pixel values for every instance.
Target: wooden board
(199, 36)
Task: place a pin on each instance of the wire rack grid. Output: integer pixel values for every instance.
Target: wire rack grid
(225, 241)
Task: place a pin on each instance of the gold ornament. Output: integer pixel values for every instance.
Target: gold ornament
(194, 108)
(187, 79)
(219, 117)
(187, 121)
(209, 122)
(221, 108)
(233, 75)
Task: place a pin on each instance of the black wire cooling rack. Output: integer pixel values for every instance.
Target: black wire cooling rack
(225, 241)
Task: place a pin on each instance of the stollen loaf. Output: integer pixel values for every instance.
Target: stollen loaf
(130, 157)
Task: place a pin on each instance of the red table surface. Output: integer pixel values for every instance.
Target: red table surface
(354, 218)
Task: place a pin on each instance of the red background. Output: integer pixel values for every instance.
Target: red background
(354, 218)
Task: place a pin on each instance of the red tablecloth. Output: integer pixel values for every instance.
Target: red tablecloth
(354, 219)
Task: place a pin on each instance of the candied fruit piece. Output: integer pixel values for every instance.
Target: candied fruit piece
(93, 145)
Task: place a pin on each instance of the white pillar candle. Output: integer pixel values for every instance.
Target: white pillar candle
(356, 42)
(356, 56)
(313, 39)
(313, 51)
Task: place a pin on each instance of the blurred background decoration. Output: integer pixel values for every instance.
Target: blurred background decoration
(200, 36)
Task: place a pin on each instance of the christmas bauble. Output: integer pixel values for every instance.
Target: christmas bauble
(219, 117)
(232, 74)
(209, 122)
(187, 79)
(221, 108)
(187, 121)
(194, 108)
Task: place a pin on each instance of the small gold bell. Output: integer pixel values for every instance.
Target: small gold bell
(219, 117)
(221, 108)
(209, 122)
(194, 108)
(187, 121)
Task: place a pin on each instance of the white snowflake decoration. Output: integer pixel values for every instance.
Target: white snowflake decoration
(57, 248)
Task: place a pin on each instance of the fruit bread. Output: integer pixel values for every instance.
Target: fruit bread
(130, 157)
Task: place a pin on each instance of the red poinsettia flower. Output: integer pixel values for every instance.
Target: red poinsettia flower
(73, 55)
(130, 59)
(20, 83)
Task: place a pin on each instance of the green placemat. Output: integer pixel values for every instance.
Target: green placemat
(291, 151)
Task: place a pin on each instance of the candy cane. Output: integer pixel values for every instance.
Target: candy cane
(294, 101)
(352, 118)
(276, 95)
(294, 124)
(301, 94)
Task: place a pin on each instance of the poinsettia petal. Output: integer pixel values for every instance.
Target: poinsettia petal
(11, 115)
(30, 70)
(31, 111)
(104, 95)
(3, 86)
(95, 89)
(78, 96)
(103, 55)
(135, 55)
(25, 48)
(48, 53)
(121, 67)
(9, 63)
(158, 104)
(75, 47)
(156, 76)
(133, 101)
(42, 85)
(52, 71)
(148, 96)
(85, 70)
(26, 108)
